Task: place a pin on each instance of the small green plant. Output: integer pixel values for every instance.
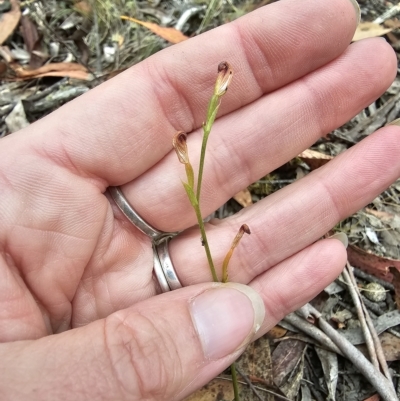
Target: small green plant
(224, 78)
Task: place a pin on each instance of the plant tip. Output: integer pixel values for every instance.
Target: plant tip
(180, 146)
(245, 228)
(223, 66)
(225, 75)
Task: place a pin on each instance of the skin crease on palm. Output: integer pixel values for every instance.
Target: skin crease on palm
(68, 257)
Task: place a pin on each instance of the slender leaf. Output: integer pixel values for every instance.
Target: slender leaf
(190, 194)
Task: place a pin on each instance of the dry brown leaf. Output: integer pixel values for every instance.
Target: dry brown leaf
(393, 23)
(371, 263)
(81, 75)
(314, 159)
(32, 42)
(9, 21)
(172, 35)
(396, 284)
(384, 216)
(256, 361)
(70, 70)
(3, 68)
(83, 7)
(285, 358)
(217, 389)
(369, 30)
(276, 332)
(243, 198)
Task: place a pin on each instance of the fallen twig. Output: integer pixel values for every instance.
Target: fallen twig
(357, 303)
(279, 396)
(368, 277)
(372, 313)
(366, 122)
(374, 376)
(41, 94)
(313, 331)
(97, 37)
(378, 351)
(249, 383)
(53, 100)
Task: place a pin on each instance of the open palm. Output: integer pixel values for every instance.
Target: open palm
(69, 257)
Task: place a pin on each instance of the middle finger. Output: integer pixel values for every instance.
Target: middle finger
(246, 145)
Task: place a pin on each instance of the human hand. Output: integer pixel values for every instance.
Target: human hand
(70, 259)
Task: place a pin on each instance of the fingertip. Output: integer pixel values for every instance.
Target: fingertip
(357, 10)
(336, 248)
(293, 282)
(382, 59)
(389, 55)
(342, 237)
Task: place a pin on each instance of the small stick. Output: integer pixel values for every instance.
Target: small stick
(41, 94)
(97, 37)
(265, 390)
(372, 305)
(377, 344)
(371, 314)
(313, 331)
(249, 383)
(368, 277)
(357, 303)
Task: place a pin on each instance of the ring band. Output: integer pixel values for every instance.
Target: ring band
(161, 250)
(131, 215)
(162, 264)
(158, 272)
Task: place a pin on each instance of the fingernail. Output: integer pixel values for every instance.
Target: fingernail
(342, 237)
(226, 317)
(395, 122)
(358, 11)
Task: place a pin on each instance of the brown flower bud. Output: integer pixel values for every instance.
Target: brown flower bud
(180, 146)
(225, 75)
(244, 229)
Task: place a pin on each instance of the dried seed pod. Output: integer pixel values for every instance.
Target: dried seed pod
(180, 146)
(244, 229)
(225, 75)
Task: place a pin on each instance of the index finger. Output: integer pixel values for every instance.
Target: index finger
(130, 120)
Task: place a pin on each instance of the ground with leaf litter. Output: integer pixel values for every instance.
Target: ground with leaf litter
(54, 51)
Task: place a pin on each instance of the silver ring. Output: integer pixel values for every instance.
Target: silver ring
(131, 215)
(161, 249)
(158, 272)
(162, 264)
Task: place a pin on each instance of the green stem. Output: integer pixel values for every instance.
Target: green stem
(205, 242)
(235, 382)
(211, 114)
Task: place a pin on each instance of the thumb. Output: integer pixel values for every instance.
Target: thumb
(163, 348)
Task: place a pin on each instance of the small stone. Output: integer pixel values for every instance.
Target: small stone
(375, 292)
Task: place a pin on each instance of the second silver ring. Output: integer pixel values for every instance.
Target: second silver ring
(161, 250)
